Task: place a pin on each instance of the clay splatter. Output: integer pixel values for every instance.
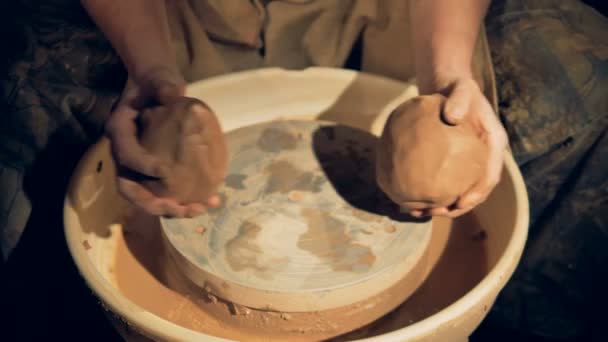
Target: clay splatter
(390, 229)
(86, 245)
(326, 238)
(235, 181)
(285, 177)
(295, 196)
(275, 140)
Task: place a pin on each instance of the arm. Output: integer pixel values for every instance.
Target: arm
(445, 33)
(138, 30)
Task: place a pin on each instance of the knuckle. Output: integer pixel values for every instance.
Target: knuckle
(124, 190)
(110, 126)
(502, 138)
(492, 181)
(119, 155)
(154, 208)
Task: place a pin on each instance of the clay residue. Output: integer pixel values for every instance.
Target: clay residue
(275, 140)
(235, 181)
(284, 177)
(242, 251)
(327, 238)
(295, 196)
(364, 215)
(390, 229)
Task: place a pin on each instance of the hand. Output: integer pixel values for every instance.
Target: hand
(465, 101)
(154, 87)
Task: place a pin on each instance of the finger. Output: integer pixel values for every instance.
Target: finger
(472, 197)
(416, 213)
(201, 151)
(498, 144)
(458, 103)
(133, 156)
(195, 209)
(166, 91)
(443, 211)
(214, 201)
(173, 209)
(421, 213)
(454, 213)
(144, 199)
(129, 94)
(126, 148)
(496, 139)
(123, 112)
(482, 189)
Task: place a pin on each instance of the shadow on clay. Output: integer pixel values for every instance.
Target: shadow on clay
(347, 157)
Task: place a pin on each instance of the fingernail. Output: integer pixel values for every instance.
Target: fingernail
(470, 200)
(214, 201)
(161, 171)
(455, 113)
(194, 212)
(439, 211)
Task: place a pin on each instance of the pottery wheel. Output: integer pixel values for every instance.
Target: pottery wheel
(302, 226)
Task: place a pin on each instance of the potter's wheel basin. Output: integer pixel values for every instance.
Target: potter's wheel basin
(93, 206)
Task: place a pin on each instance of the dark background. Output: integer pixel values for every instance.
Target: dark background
(41, 293)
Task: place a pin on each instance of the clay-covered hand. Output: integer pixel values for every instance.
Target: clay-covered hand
(466, 103)
(185, 134)
(153, 87)
(448, 162)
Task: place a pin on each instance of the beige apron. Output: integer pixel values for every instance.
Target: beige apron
(213, 37)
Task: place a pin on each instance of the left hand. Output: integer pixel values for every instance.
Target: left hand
(465, 101)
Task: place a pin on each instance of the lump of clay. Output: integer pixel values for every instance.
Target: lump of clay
(423, 162)
(186, 136)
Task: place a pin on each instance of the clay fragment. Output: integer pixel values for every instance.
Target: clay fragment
(423, 162)
(187, 137)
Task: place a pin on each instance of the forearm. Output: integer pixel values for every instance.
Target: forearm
(444, 37)
(138, 30)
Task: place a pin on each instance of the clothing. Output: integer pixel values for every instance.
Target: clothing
(551, 64)
(551, 67)
(214, 37)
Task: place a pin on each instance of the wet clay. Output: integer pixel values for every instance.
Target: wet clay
(186, 136)
(143, 275)
(423, 162)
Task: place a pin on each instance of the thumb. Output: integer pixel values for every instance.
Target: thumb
(457, 105)
(166, 91)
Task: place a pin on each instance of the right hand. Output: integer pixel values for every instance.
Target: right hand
(153, 87)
